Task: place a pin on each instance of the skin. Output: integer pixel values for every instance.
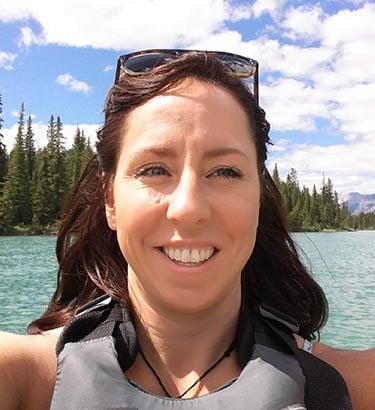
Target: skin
(27, 370)
(183, 198)
(188, 162)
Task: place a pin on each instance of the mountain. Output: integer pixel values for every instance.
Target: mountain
(358, 203)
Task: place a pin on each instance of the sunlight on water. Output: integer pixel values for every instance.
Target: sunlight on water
(343, 263)
(27, 279)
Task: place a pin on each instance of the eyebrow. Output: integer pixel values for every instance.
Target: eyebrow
(221, 152)
(160, 152)
(212, 153)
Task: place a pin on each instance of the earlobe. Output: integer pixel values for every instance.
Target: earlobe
(110, 210)
(111, 217)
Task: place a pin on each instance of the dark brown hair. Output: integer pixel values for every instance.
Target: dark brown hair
(89, 257)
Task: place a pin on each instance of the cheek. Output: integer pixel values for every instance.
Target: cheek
(243, 221)
(247, 222)
(135, 205)
(244, 207)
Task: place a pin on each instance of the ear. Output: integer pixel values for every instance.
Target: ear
(110, 209)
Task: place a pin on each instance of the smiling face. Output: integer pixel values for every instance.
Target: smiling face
(185, 199)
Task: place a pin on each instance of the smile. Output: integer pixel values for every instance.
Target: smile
(189, 255)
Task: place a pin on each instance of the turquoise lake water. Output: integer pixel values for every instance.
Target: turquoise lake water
(343, 263)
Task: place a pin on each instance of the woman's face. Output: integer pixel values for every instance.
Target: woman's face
(185, 199)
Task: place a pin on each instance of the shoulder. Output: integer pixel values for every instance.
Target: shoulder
(356, 367)
(27, 369)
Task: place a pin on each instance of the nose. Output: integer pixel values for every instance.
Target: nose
(188, 204)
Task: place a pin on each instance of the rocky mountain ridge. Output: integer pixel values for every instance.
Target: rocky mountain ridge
(358, 203)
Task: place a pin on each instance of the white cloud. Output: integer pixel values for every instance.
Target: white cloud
(350, 26)
(28, 37)
(291, 60)
(40, 134)
(272, 7)
(73, 84)
(313, 65)
(7, 60)
(108, 68)
(241, 12)
(338, 69)
(355, 112)
(123, 24)
(349, 166)
(14, 10)
(293, 105)
(303, 22)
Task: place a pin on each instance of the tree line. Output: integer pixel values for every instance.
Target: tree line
(34, 183)
(319, 210)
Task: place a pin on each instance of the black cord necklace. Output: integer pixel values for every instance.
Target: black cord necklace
(225, 354)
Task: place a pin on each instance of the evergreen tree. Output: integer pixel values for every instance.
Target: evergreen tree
(41, 191)
(16, 200)
(62, 186)
(292, 191)
(30, 148)
(293, 200)
(327, 204)
(56, 165)
(76, 156)
(305, 208)
(317, 211)
(314, 215)
(3, 152)
(276, 176)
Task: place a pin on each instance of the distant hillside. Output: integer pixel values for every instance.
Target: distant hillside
(358, 203)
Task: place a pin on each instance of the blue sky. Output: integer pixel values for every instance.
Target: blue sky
(317, 62)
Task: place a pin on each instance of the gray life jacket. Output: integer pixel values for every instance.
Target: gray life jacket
(100, 344)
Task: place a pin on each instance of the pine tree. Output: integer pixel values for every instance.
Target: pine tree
(318, 211)
(62, 186)
(56, 165)
(76, 156)
(16, 200)
(327, 204)
(292, 198)
(30, 148)
(3, 152)
(276, 176)
(305, 208)
(41, 192)
(314, 215)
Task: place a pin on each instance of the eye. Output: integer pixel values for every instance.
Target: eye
(151, 170)
(226, 172)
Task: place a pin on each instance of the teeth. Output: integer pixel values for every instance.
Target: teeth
(189, 255)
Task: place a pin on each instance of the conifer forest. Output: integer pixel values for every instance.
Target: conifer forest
(34, 183)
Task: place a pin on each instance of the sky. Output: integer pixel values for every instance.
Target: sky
(317, 70)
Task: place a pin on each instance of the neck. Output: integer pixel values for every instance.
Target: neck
(180, 334)
(183, 345)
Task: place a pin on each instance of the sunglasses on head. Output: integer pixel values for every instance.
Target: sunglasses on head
(140, 62)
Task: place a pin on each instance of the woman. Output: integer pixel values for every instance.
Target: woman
(177, 227)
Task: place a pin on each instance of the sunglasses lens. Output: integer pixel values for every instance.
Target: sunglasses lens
(141, 63)
(239, 66)
(138, 64)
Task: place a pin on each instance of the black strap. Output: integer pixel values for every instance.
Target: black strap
(325, 388)
(96, 320)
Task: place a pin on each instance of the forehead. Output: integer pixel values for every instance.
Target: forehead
(190, 102)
